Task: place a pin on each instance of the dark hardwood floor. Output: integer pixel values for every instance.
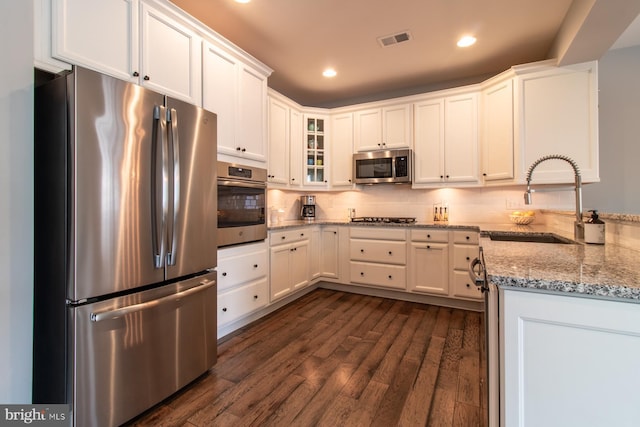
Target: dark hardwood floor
(339, 359)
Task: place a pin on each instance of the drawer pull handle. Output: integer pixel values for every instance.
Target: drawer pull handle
(224, 274)
(224, 309)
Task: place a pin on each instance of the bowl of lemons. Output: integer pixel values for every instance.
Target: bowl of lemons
(522, 217)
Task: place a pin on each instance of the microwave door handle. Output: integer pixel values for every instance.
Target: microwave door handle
(159, 194)
(172, 119)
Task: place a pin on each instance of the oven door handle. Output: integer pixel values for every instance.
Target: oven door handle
(238, 183)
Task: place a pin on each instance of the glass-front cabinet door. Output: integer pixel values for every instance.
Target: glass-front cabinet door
(316, 151)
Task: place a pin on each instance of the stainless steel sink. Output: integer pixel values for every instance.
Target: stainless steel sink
(508, 236)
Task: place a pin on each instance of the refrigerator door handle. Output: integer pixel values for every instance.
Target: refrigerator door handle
(172, 118)
(120, 312)
(159, 190)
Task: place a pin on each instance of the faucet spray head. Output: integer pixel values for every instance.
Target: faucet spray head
(527, 197)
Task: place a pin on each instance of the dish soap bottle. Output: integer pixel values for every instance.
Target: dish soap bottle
(594, 229)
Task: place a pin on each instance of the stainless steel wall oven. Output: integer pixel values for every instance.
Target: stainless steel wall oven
(242, 195)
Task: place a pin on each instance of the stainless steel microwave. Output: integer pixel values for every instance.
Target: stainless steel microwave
(389, 166)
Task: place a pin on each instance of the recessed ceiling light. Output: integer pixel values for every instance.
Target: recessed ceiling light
(329, 72)
(243, 1)
(466, 41)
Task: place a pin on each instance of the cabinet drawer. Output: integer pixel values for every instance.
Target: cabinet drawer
(378, 233)
(241, 301)
(462, 254)
(238, 269)
(464, 287)
(470, 237)
(388, 276)
(288, 236)
(382, 251)
(440, 236)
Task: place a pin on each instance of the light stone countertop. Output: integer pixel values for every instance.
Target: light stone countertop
(597, 271)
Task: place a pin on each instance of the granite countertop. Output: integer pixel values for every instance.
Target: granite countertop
(299, 223)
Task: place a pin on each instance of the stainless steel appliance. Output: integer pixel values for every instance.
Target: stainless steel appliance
(125, 246)
(491, 348)
(389, 166)
(308, 207)
(242, 196)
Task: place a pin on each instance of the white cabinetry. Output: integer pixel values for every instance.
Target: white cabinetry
(429, 262)
(378, 257)
(237, 94)
(285, 143)
(446, 140)
(42, 56)
(497, 131)
(465, 248)
(289, 262)
(568, 361)
(130, 40)
(329, 261)
(242, 281)
(383, 128)
(341, 150)
(558, 114)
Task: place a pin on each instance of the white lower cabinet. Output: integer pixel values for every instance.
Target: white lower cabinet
(568, 361)
(328, 252)
(429, 262)
(465, 248)
(242, 281)
(289, 261)
(378, 257)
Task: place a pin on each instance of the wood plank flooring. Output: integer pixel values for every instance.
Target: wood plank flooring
(338, 359)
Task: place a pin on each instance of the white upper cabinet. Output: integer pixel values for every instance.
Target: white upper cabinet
(279, 142)
(497, 131)
(557, 113)
(342, 150)
(383, 128)
(42, 57)
(130, 40)
(237, 94)
(170, 56)
(446, 140)
(97, 34)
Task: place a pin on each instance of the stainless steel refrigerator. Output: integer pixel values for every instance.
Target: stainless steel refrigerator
(125, 246)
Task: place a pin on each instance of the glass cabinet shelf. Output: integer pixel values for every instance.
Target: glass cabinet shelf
(315, 150)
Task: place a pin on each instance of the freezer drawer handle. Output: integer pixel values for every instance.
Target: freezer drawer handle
(119, 312)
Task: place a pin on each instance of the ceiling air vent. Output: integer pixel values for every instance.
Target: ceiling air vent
(394, 39)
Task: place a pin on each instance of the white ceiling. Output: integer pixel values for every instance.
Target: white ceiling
(299, 38)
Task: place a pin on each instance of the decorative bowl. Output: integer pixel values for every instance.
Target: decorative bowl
(522, 220)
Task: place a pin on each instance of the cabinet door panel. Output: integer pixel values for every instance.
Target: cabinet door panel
(97, 34)
(461, 133)
(342, 150)
(429, 142)
(396, 126)
(278, 142)
(429, 266)
(219, 93)
(171, 60)
(252, 111)
(497, 133)
(279, 271)
(368, 130)
(299, 265)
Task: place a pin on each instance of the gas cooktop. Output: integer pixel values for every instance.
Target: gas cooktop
(395, 220)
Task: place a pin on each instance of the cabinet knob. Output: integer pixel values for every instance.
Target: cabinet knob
(390, 277)
(468, 258)
(428, 236)
(224, 309)
(428, 246)
(256, 265)
(335, 232)
(136, 74)
(361, 251)
(447, 176)
(293, 179)
(441, 176)
(224, 274)
(244, 149)
(467, 237)
(238, 148)
(390, 253)
(362, 273)
(301, 234)
(255, 297)
(468, 285)
(484, 174)
(283, 237)
(146, 78)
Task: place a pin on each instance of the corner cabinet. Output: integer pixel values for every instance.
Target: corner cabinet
(382, 128)
(557, 113)
(446, 140)
(237, 93)
(130, 40)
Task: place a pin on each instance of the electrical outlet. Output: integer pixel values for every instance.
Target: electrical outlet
(514, 204)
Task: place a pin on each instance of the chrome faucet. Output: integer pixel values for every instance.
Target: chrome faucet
(578, 229)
